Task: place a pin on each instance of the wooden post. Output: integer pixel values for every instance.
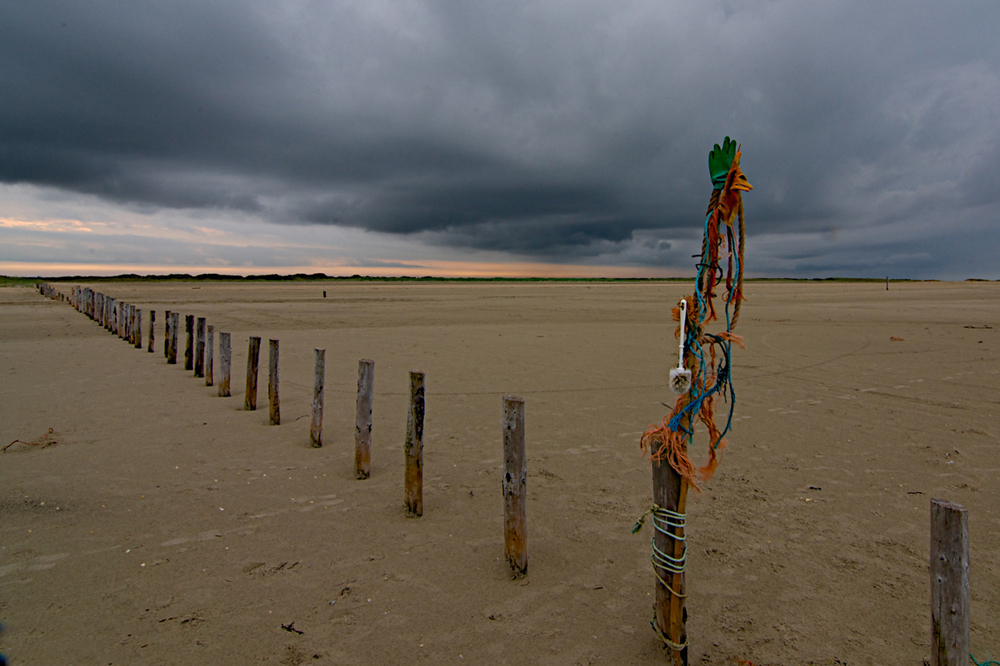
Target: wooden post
(199, 350)
(363, 419)
(138, 328)
(166, 334)
(174, 326)
(413, 448)
(189, 342)
(316, 427)
(253, 357)
(131, 325)
(949, 568)
(209, 354)
(670, 492)
(225, 363)
(274, 404)
(514, 485)
(152, 327)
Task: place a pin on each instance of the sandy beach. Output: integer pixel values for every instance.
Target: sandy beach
(158, 523)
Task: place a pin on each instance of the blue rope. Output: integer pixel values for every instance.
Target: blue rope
(722, 376)
(988, 662)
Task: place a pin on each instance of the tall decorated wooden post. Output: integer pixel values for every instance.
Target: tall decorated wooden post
(702, 375)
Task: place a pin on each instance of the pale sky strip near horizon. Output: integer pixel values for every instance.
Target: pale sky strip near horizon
(423, 137)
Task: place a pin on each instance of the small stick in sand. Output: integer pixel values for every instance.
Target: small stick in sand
(316, 426)
(363, 419)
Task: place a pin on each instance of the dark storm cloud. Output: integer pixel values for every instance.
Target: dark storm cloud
(545, 129)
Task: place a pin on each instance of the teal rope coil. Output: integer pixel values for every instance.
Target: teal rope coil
(988, 662)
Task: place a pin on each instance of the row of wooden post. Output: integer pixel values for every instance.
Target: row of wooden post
(198, 358)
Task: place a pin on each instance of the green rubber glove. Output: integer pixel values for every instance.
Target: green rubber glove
(719, 161)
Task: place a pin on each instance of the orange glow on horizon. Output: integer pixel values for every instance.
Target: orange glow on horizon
(446, 269)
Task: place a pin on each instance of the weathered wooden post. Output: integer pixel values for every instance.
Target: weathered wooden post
(316, 426)
(189, 342)
(174, 326)
(225, 363)
(138, 328)
(514, 485)
(669, 556)
(949, 568)
(274, 412)
(166, 334)
(152, 327)
(131, 325)
(253, 357)
(363, 418)
(413, 448)
(199, 350)
(209, 354)
(120, 327)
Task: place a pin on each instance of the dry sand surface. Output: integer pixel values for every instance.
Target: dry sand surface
(166, 525)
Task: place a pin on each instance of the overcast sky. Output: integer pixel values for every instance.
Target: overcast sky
(420, 136)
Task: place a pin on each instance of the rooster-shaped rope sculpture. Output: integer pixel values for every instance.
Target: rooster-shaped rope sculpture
(705, 357)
